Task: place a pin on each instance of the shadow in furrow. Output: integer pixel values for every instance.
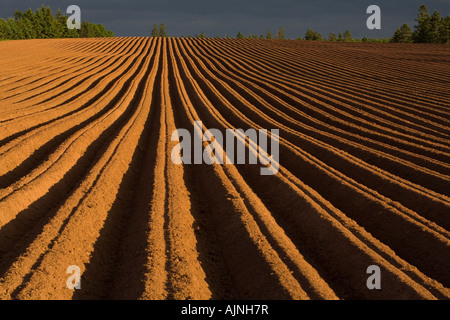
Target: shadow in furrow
(42, 152)
(210, 254)
(20, 232)
(107, 275)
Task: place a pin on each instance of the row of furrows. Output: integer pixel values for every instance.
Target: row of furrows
(34, 101)
(51, 76)
(95, 104)
(336, 112)
(321, 78)
(334, 76)
(261, 261)
(270, 104)
(380, 66)
(313, 107)
(199, 232)
(65, 183)
(61, 57)
(402, 216)
(63, 102)
(435, 211)
(367, 109)
(44, 51)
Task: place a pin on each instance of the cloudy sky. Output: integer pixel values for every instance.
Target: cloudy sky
(191, 17)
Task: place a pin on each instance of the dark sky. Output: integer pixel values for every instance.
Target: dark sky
(191, 17)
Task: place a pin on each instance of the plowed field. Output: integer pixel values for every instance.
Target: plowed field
(87, 179)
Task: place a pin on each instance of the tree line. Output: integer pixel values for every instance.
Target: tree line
(429, 29)
(279, 35)
(42, 24)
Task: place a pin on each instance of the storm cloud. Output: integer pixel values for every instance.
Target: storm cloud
(183, 18)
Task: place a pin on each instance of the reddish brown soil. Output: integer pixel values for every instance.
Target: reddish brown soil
(86, 176)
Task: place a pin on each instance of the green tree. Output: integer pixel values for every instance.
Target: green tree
(240, 35)
(403, 34)
(17, 14)
(61, 22)
(332, 37)
(435, 27)
(7, 29)
(280, 34)
(339, 37)
(15, 32)
(43, 24)
(155, 31)
(202, 35)
(422, 30)
(312, 35)
(86, 30)
(2, 29)
(62, 25)
(162, 30)
(101, 31)
(347, 36)
(26, 22)
(309, 35)
(429, 29)
(48, 27)
(94, 30)
(444, 35)
(269, 34)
